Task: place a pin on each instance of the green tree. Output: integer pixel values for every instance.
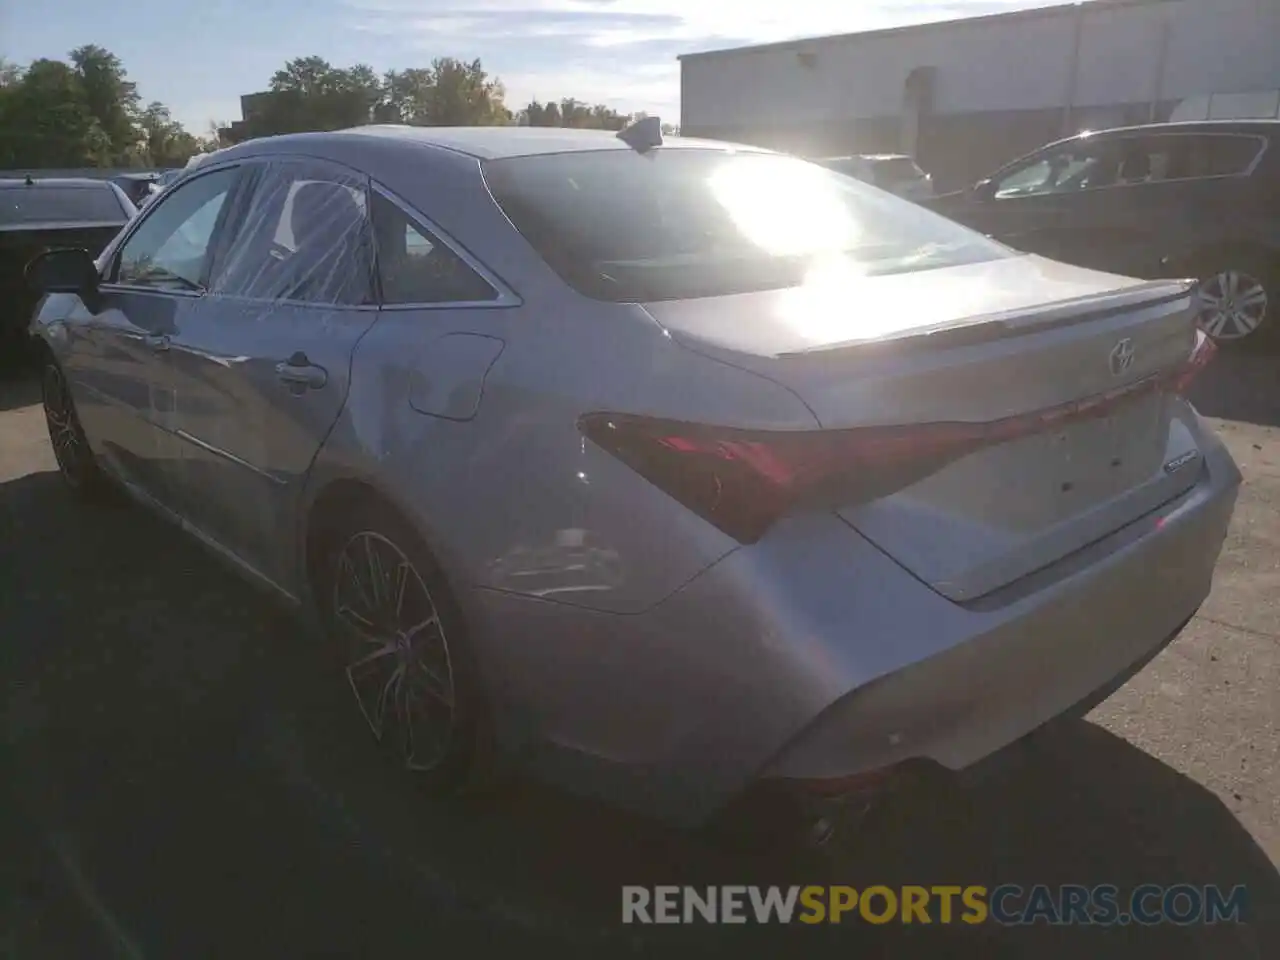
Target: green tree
(304, 75)
(540, 115)
(166, 143)
(312, 94)
(406, 96)
(111, 98)
(10, 74)
(464, 95)
(46, 121)
(309, 93)
(575, 113)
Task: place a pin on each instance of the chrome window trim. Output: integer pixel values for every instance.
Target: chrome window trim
(151, 291)
(506, 297)
(1264, 141)
(267, 303)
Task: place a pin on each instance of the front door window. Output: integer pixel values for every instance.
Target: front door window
(170, 248)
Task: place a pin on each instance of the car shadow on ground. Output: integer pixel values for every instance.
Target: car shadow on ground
(19, 385)
(181, 775)
(1241, 384)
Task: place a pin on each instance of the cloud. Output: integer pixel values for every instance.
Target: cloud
(622, 52)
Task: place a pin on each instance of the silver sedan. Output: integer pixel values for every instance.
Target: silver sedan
(666, 470)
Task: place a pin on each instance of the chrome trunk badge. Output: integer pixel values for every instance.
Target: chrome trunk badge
(1121, 357)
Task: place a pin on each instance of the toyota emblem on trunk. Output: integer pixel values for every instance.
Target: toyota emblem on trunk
(1121, 357)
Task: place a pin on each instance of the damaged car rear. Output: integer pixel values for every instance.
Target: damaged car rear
(665, 469)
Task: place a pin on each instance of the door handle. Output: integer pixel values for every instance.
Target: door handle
(300, 374)
(157, 341)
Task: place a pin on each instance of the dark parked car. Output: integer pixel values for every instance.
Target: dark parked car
(136, 186)
(38, 214)
(893, 172)
(1195, 200)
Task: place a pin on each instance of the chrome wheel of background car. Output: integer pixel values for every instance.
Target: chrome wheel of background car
(397, 656)
(65, 436)
(1233, 305)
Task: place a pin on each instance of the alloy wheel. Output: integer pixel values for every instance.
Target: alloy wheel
(64, 429)
(396, 654)
(1233, 305)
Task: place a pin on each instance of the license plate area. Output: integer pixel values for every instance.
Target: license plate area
(1036, 482)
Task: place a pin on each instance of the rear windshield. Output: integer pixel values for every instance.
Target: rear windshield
(53, 204)
(681, 223)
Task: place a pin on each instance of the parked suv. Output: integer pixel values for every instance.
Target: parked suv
(893, 172)
(1195, 200)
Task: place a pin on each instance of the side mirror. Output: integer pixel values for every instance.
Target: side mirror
(984, 190)
(63, 270)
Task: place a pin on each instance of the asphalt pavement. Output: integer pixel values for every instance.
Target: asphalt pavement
(180, 778)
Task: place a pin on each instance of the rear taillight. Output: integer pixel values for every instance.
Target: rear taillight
(742, 481)
(1204, 351)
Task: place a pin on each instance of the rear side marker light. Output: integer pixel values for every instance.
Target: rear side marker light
(742, 481)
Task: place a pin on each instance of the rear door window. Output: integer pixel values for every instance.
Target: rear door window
(416, 266)
(1220, 155)
(302, 234)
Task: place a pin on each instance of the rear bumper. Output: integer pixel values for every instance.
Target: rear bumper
(812, 655)
(1009, 755)
(1063, 647)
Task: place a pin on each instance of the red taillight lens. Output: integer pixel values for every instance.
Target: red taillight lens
(1204, 351)
(743, 480)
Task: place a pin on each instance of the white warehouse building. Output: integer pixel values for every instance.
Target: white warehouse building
(965, 96)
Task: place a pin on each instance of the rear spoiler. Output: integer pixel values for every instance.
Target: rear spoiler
(1013, 323)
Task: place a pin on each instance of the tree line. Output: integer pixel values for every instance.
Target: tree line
(309, 93)
(85, 112)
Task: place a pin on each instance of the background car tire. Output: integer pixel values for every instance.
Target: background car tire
(372, 528)
(77, 465)
(1231, 280)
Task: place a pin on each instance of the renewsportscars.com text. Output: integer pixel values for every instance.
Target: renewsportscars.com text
(1008, 905)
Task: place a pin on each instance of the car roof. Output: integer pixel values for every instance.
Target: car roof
(1269, 127)
(491, 143)
(63, 182)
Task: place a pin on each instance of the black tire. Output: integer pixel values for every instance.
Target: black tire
(77, 465)
(378, 535)
(1227, 279)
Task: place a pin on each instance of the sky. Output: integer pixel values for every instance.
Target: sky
(198, 58)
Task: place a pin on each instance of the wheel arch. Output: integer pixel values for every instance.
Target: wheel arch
(335, 497)
(1208, 255)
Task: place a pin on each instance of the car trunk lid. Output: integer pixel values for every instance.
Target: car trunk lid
(1091, 437)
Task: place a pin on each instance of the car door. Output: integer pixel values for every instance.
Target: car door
(261, 364)
(116, 360)
(1035, 205)
(1180, 193)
